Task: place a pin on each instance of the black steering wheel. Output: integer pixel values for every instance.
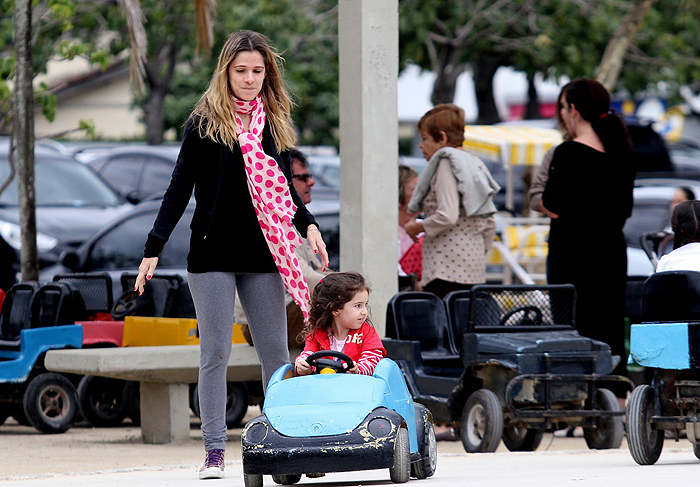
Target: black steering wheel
(319, 363)
(525, 319)
(129, 303)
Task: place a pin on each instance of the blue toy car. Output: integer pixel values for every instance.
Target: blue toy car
(31, 323)
(668, 344)
(336, 422)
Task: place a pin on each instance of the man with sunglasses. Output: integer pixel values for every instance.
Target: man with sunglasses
(309, 263)
(303, 180)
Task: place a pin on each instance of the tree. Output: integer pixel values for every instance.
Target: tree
(610, 66)
(666, 54)
(24, 130)
(447, 36)
(39, 31)
(554, 37)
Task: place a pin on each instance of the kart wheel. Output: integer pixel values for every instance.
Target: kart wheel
(237, 399)
(427, 445)
(645, 443)
(401, 471)
(608, 430)
(522, 439)
(103, 401)
(696, 450)
(133, 394)
(250, 480)
(481, 426)
(51, 403)
(288, 479)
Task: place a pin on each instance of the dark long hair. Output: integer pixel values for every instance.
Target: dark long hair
(331, 294)
(685, 222)
(592, 101)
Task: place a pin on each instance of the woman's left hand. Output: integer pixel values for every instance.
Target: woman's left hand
(313, 235)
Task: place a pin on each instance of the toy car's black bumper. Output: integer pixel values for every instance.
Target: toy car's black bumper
(367, 447)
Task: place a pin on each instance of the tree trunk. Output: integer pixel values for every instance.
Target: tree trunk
(610, 66)
(532, 108)
(485, 66)
(24, 126)
(446, 84)
(153, 113)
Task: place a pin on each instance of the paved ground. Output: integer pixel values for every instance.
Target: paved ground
(85, 456)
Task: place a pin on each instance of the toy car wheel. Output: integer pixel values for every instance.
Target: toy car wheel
(237, 399)
(696, 450)
(401, 471)
(250, 480)
(645, 443)
(51, 403)
(522, 439)
(103, 401)
(608, 430)
(481, 426)
(133, 394)
(289, 479)
(427, 445)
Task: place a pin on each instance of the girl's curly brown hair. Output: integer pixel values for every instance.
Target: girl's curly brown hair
(330, 295)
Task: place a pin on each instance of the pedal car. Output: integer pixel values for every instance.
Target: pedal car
(33, 320)
(668, 343)
(505, 362)
(336, 422)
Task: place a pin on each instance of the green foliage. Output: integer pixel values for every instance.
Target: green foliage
(87, 125)
(667, 50)
(62, 29)
(47, 101)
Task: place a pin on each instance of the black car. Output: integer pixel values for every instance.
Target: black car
(72, 203)
(137, 172)
(118, 246)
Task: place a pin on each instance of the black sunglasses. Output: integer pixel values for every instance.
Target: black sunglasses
(303, 177)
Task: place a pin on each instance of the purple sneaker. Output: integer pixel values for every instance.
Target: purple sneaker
(213, 467)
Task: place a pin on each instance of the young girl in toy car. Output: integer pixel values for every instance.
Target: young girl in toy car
(338, 321)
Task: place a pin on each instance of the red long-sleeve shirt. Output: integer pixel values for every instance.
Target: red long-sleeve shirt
(363, 346)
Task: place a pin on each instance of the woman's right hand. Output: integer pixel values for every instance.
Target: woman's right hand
(146, 270)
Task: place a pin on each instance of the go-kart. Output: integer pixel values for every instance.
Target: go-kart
(337, 422)
(505, 363)
(667, 342)
(34, 320)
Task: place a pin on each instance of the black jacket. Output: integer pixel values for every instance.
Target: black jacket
(226, 235)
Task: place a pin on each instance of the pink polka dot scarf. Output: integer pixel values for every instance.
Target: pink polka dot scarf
(269, 191)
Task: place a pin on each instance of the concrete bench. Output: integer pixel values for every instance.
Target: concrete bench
(164, 372)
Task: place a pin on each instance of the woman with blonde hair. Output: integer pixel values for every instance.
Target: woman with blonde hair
(235, 158)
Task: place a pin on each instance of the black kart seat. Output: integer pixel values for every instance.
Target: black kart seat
(421, 316)
(57, 303)
(16, 311)
(671, 296)
(460, 315)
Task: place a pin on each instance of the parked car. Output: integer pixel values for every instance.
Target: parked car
(137, 172)
(72, 203)
(118, 246)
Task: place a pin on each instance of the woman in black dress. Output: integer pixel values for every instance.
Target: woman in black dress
(589, 196)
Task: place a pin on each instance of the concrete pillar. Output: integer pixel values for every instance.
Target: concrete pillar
(165, 412)
(369, 55)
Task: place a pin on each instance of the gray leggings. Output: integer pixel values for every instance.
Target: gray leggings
(262, 298)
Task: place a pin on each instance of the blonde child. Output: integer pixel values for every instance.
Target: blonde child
(338, 320)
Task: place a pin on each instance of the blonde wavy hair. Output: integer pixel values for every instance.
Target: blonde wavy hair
(214, 112)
